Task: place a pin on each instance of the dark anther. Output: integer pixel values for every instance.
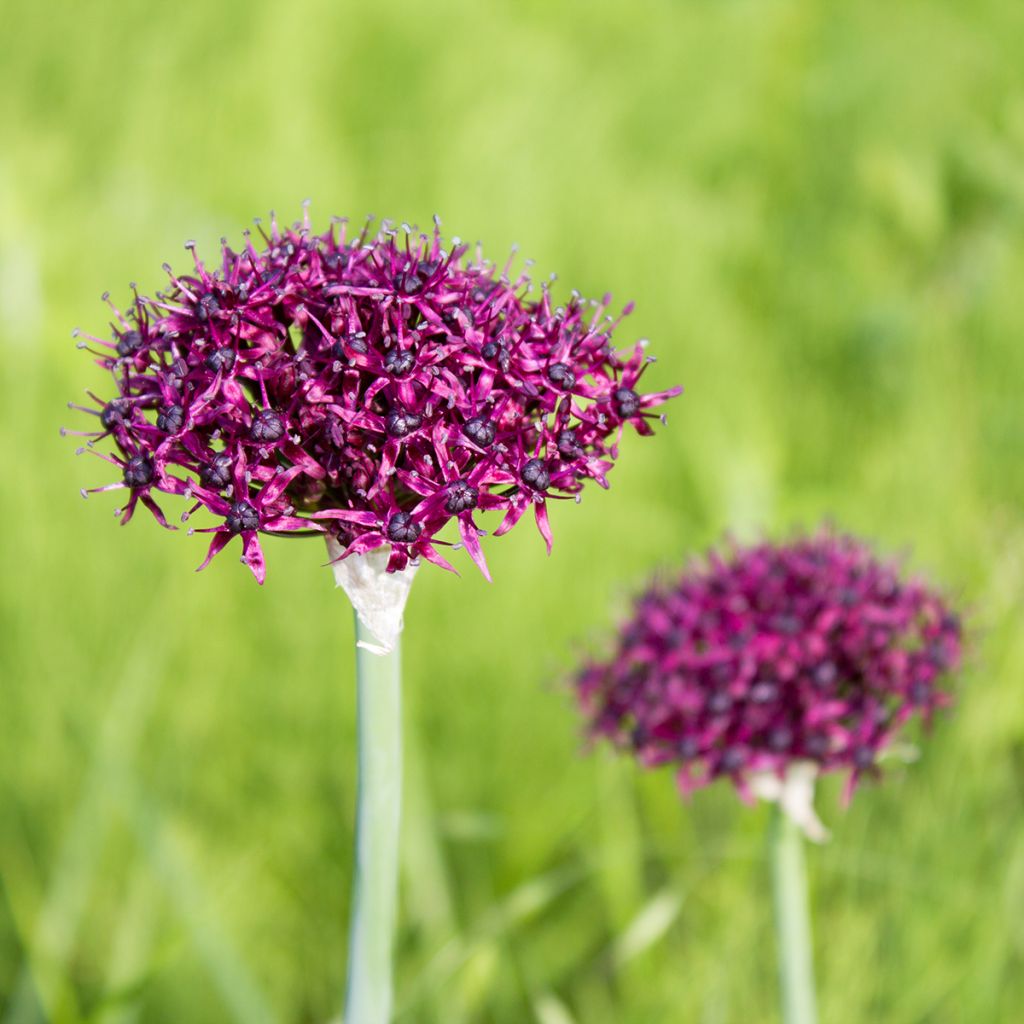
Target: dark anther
(129, 343)
(627, 402)
(139, 471)
(400, 423)
(206, 307)
(920, 692)
(171, 419)
(780, 738)
(398, 362)
(115, 413)
(221, 359)
(561, 376)
(217, 474)
(732, 759)
(863, 757)
(242, 516)
(402, 530)
(640, 736)
(764, 691)
(461, 497)
(535, 475)
(266, 426)
(719, 702)
(568, 446)
(490, 350)
(825, 674)
(480, 430)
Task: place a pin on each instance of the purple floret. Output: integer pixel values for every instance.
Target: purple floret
(374, 388)
(809, 651)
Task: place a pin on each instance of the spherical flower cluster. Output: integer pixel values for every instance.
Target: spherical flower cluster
(762, 657)
(374, 389)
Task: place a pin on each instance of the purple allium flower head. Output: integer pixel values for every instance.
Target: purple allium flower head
(374, 388)
(764, 656)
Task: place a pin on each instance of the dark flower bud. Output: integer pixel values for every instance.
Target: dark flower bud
(688, 747)
(220, 359)
(217, 474)
(355, 344)
(732, 759)
(764, 691)
(206, 307)
(627, 402)
(561, 376)
(817, 744)
(115, 413)
(242, 517)
(825, 674)
(719, 702)
(171, 419)
(139, 471)
(402, 529)
(920, 692)
(398, 362)
(266, 426)
(129, 343)
(409, 282)
(535, 475)
(863, 757)
(480, 430)
(400, 423)
(497, 352)
(461, 497)
(568, 446)
(780, 738)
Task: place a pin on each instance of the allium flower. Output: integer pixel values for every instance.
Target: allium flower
(812, 652)
(374, 389)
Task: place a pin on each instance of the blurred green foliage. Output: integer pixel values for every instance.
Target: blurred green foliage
(819, 209)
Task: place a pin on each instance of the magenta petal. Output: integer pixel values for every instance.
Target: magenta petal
(430, 553)
(158, 514)
(252, 555)
(540, 511)
(218, 543)
(472, 541)
(514, 514)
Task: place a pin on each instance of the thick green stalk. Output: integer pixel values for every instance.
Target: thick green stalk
(368, 997)
(792, 920)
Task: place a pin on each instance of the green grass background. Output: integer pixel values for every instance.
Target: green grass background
(819, 209)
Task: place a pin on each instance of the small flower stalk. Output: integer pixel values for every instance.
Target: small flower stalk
(384, 391)
(769, 666)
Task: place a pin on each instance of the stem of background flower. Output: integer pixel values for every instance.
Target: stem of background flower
(792, 920)
(368, 997)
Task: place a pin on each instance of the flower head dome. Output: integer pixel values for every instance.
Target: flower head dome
(812, 652)
(374, 389)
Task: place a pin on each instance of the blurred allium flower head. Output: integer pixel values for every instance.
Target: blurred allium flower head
(374, 389)
(810, 653)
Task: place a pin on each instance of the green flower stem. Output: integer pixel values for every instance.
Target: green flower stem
(792, 920)
(368, 997)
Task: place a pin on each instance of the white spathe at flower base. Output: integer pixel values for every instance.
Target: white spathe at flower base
(794, 793)
(378, 596)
